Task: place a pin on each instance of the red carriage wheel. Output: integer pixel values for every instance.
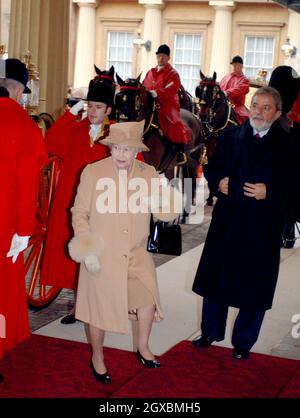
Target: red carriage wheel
(38, 295)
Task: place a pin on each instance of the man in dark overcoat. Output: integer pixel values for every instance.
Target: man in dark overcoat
(240, 260)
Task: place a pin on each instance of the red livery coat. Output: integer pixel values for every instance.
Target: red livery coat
(69, 140)
(23, 153)
(166, 84)
(236, 87)
(294, 114)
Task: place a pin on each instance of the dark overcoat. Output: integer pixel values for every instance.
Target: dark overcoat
(240, 260)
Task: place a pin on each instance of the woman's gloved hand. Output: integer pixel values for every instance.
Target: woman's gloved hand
(92, 264)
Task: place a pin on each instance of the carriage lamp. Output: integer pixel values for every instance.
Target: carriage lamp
(31, 101)
(142, 42)
(288, 49)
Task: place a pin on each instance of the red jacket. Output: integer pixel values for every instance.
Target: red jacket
(166, 83)
(22, 155)
(69, 140)
(236, 87)
(294, 114)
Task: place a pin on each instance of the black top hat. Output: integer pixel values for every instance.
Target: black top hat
(163, 49)
(237, 59)
(100, 92)
(16, 70)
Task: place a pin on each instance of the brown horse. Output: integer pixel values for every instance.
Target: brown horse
(216, 114)
(134, 103)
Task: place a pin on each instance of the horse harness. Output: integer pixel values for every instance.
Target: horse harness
(216, 95)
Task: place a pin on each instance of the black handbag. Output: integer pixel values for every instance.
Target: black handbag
(164, 238)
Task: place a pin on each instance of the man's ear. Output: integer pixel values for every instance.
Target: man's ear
(108, 110)
(17, 93)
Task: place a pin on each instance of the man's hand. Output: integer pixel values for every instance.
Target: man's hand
(256, 190)
(92, 264)
(77, 108)
(18, 244)
(223, 185)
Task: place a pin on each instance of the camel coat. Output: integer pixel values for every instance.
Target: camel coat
(119, 240)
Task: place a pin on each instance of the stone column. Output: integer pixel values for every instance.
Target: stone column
(294, 34)
(86, 42)
(152, 32)
(221, 44)
(42, 27)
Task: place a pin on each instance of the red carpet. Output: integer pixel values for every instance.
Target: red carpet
(188, 372)
(50, 367)
(292, 389)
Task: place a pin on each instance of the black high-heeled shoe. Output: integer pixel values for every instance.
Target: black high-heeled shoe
(103, 378)
(151, 364)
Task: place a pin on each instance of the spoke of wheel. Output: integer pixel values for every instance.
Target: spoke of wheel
(32, 254)
(35, 273)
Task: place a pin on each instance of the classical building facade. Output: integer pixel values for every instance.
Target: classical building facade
(66, 37)
(201, 34)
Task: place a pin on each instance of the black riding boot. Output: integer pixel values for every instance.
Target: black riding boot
(180, 156)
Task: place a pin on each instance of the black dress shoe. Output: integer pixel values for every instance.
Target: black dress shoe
(1, 378)
(68, 319)
(240, 354)
(203, 342)
(103, 378)
(150, 364)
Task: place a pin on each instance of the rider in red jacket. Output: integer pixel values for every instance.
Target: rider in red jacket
(236, 86)
(163, 82)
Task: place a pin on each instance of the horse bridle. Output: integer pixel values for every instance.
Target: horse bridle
(137, 104)
(105, 77)
(216, 94)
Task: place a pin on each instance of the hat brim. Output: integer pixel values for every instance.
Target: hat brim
(108, 141)
(26, 90)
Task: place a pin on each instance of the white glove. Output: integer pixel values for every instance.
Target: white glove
(18, 244)
(92, 264)
(77, 108)
(153, 93)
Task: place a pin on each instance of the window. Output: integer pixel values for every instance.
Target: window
(259, 54)
(120, 52)
(187, 59)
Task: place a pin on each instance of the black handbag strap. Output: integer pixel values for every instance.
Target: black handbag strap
(174, 222)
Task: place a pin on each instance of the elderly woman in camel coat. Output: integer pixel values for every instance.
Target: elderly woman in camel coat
(111, 219)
